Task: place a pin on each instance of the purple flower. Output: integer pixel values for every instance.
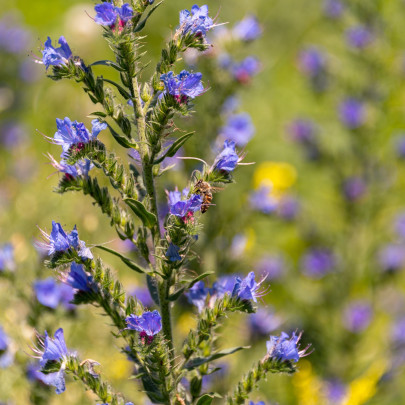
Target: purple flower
(60, 241)
(184, 207)
(173, 253)
(288, 208)
(261, 200)
(7, 261)
(47, 292)
(148, 324)
(79, 169)
(13, 38)
(312, 61)
(263, 322)
(318, 262)
(142, 294)
(228, 159)
(399, 226)
(6, 356)
(247, 29)
(78, 279)
(230, 104)
(108, 14)
(13, 134)
(359, 37)
(273, 266)
(56, 56)
(335, 391)
(302, 130)
(224, 285)
(400, 146)
(75, 133)
(354, 188)
(284, 348)
(245, 70)
(257, 403)
(183, 86)
(196, 22)
(391, 257)
(398, 331)
(247, 288)
(333, 8)
(54, 350)
(197, 295)
(357, 316)
(352, 113)
(67, 293)
(238, 128)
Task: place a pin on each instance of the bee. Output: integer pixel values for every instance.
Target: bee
(205, 190)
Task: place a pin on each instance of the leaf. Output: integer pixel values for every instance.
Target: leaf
(99, 114)
(109, 63)
(130, 263)
(176, 295)
(122, 140)
(174, 147)
(122, 91)
(140, 26)
(151, 282)
(207, 399)
(198, 361)
(148, 219)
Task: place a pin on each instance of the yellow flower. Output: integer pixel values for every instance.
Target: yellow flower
(307, 385)
(280, 176)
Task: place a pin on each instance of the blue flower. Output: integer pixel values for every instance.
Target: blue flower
(54, 350)
(333, 8)
(6, 356)
(60, 241)
(391, 257)
(352, 113)
(262, 322)
(312, 61)
(318, 262)
(197, 295)
(224, 285)
(79, 169)
(246, 69)
(399, 145)
(181, 206)
(228, 159)
(148, 324)
(238, 128)
(248, 29)
(284, 348)
(47, 292)
(357, 316)
(56, 56)
(247, 288)
(142, 294)
(183, 86)
(261, 200)
(108, 14)
(257, 403)
(7, 257)
(354, 188)
(196, 22)
(359, 37)
(173, 253)
(75, 133)
(78, 279)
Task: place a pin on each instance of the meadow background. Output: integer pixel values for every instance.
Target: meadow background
(347, 366)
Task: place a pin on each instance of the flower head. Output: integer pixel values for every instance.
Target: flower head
(197, 295)
(148, 324)
(318, 262)
(359, 37)
(273, 265)
(56, 56)
(228, 159)
(391, 257)
(246, 69)
(173, 253)
(333, 8)
(75, 133)
(284, 348)
(263, 200)
(7, 257)
(354, 188)
(357, 316)
(6, 356)
(247, 288)
(183, 86)
(352, 113)
(78, 279)
(108, 15)
(181, 206)
(196, 21)
(312, 61)
(247, 29)
(47, 292)
(238, 128)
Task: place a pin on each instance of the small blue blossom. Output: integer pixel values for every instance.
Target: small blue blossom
(352, 113)
(173, 253)
(399, 145)
(247, 288)
(312, 61)
(54, 350)
(288, 208)
(245, 70)
(79, 169)
(273, 265)
(257, 403)
(261, 200)
(357, 316)
(196, 22)
(78, 279)
(359, 37)
(197, 295)
(56, 56)
(6, 356)
(228, 159)
(318, 262)
(284, 348)
(354, 188)
(238, 128)
(333, 8)
(108, 14)
(184, 207)
(183, 86)
(391, 257)
(398, 331)
(247, 29)
(148, 324)
(7, 261)
(224, 285)
(75, 133)
(230, 104)
(47, 292)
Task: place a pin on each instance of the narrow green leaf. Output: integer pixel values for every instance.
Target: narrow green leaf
(121, 139)
(151, 282)
(207, 399)
(109, 63)
(174, 147)
(99, 114)
(140, 26)
(122, 91)
(148, 219)
(130, 263)
(198, 361)
(178, 293)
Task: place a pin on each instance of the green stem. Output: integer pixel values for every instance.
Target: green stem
(164, 303)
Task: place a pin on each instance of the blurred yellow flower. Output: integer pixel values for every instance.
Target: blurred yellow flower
(307, 385)
(280, 176)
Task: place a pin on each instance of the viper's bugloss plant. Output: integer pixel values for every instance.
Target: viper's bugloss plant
(139, 115)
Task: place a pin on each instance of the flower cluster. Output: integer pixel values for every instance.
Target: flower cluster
(184, 86)
(109, 15)
(148, 325)
(56, 56)
(183, 206)
(195, 22)
(7, 261)
(285, 348)
(51, 294)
